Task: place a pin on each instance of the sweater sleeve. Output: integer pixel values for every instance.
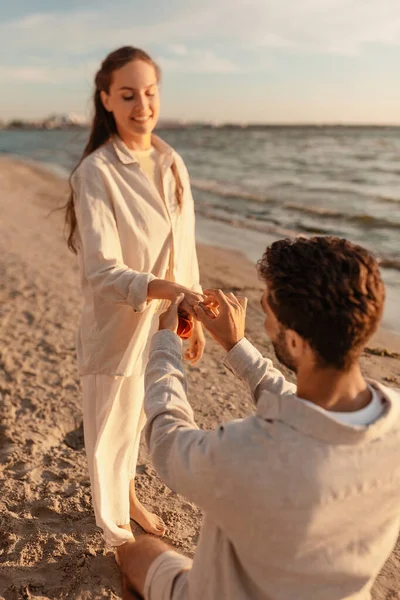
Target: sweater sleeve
(246, 362)
(100, 246)
(185, 457)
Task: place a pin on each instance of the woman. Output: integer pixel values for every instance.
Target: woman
(131, 221)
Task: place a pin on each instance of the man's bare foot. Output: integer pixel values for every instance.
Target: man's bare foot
(150, 522)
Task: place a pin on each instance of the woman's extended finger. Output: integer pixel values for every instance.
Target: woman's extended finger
(217, 295)
(188, 304)
(178, 300)
(203, 314)
(196, 296)
(211, 313)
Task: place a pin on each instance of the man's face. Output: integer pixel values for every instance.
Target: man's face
(277, 334)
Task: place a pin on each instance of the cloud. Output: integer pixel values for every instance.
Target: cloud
(31, 74)
(83, 31)
(193, 62)
(223, 26)
(48, 74)
(178, 49)
(198, 61)
(78, 33)
(33, 21)
(320, 26)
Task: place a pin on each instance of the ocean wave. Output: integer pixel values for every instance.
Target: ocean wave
(227, 191)
(369, 221)
(388, 199)
(365, 220)
(385, 261)
(387, 170)
(254, 225)
(314, 210)
(390, 263)
(334, 189)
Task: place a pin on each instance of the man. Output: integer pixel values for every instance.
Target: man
(300, 500)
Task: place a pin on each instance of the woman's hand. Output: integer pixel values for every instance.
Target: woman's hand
(162, 289)
(197, 343)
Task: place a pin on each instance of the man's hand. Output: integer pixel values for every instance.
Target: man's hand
(170, 319)
(227, 328)
(197, 344)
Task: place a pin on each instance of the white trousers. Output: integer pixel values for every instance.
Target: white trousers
(113, 419)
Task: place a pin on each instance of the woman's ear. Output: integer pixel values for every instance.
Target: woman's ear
(105, 100)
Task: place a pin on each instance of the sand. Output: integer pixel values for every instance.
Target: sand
(49, 544)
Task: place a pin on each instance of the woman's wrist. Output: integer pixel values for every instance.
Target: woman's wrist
(162, 289)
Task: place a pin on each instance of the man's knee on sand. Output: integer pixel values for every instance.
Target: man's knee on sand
(151, 568)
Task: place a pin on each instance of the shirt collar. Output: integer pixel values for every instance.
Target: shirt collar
(289, 410)
(127, 157)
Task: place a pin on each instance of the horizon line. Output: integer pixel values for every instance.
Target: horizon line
(219, 124)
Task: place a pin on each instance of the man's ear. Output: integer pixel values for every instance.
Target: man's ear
(105, 100)
(297, 345)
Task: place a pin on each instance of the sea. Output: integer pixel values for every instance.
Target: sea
(258, 183)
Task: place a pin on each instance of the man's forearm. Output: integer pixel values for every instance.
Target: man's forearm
(246, 362)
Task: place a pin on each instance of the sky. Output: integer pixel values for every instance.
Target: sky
(265, 61)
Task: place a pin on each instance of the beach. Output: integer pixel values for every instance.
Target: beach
(49, 544)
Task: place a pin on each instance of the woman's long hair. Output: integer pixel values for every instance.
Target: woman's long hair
(103, 124)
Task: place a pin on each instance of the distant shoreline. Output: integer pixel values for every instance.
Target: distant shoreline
(17, 125)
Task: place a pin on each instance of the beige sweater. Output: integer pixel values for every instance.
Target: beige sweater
(297, 506)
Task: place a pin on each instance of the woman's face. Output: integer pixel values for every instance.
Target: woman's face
(133, 99)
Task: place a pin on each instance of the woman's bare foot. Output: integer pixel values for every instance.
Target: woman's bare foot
(150, 522)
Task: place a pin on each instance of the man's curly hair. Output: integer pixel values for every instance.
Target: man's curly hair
(329, 291)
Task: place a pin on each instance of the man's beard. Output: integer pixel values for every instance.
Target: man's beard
(282, 351)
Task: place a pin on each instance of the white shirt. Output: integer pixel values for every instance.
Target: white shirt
(363, 417)
(127, 238)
